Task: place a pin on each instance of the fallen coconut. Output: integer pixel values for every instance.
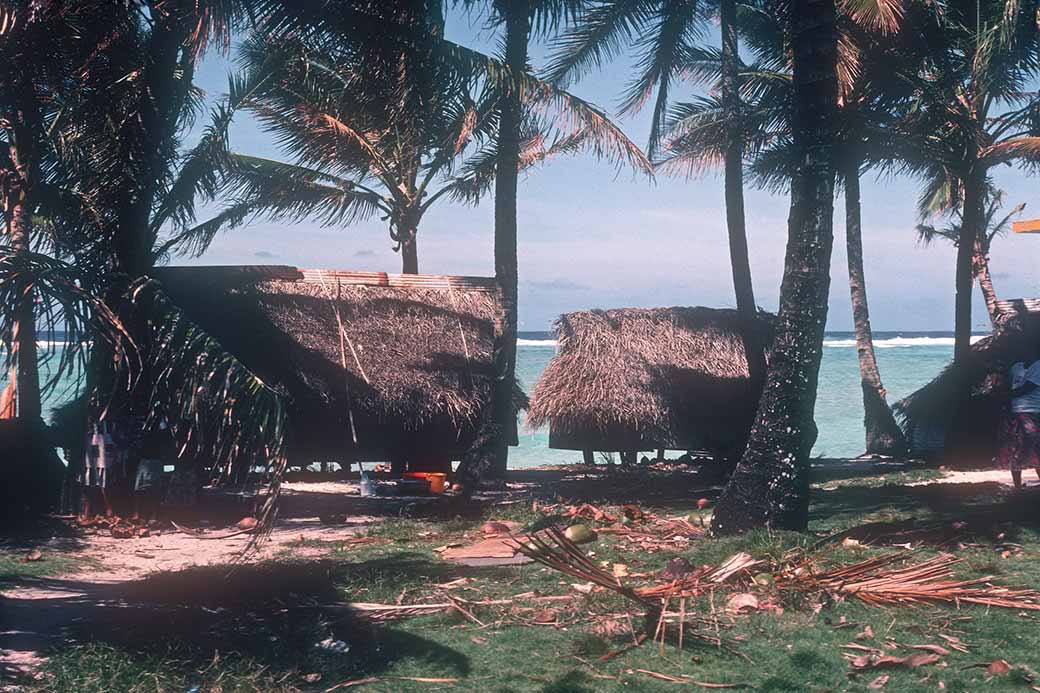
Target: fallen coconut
(580, 534)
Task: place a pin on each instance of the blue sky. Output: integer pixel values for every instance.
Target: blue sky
(593, 238)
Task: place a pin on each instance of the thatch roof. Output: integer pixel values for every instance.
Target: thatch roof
(648, 377)
(407, 357)
(958, 414)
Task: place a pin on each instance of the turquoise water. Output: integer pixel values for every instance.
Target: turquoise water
(907, 361)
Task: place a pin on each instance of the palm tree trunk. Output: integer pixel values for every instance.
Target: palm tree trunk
(980, 265)
(734, 189)
(770, 485)
(883, 436)
(973, 218)
(409, 252)
(518, 27)
(27, 383)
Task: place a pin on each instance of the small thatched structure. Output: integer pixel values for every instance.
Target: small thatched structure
(958, 415)
(634, 379)
(377, 366)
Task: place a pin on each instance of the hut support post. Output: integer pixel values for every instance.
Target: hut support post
(589, 457)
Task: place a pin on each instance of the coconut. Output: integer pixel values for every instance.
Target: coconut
(580, 534)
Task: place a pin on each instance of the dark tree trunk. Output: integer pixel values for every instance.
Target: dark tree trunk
(734, 190)
(409, 252)
(770, 486)
(883, 436)
(518, 27)
(27, 382)
(980, 264)
(972, 221)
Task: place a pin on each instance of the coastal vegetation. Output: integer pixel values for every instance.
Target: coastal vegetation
(112, 164)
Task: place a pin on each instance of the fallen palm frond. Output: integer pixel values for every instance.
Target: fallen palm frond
(702, 579)
(554, 550)
(881, 582)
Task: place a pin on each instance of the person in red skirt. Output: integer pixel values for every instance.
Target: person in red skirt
(1020, 438)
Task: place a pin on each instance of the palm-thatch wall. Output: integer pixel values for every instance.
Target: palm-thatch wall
(376, 366)
(957, 416)
(648, 378)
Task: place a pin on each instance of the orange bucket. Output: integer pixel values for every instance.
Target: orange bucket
(437, 479)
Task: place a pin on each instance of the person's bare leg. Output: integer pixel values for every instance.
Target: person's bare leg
(1016, 476)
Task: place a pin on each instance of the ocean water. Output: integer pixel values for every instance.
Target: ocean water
(907, 361)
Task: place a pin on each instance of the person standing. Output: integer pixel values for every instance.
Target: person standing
(1020, 439)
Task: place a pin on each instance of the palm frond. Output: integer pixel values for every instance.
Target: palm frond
(881, 16)
(67, 317)
(218, 410)
(599, 37)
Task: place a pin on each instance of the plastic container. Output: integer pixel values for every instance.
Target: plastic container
(437, 480)
(413, 487)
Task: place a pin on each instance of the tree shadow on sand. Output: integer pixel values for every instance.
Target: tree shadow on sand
(940, 515)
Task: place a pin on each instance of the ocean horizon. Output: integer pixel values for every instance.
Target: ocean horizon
(907, 360)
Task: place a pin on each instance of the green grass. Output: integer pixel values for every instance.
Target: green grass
(14, 566)
(261, 632)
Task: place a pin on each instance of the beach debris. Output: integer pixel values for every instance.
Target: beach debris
(333, 645)
(689, 680)
(881, 660)
(580, 534)
(313, 677)
(934, 649)
(741, 602)
(881, 581)
(33, 556)
(495, 527)
(677, 569)
(879, 682)
(493, 550)
(375, 679)
(121, 531)
(998, 667)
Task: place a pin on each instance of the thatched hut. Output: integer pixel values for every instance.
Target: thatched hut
(957, 416)
(377, 367)
(636, 379)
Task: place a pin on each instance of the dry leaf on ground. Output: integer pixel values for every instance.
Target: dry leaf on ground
(742, 601)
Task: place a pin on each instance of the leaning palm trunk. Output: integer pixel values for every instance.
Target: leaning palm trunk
(770, 485)
(980, 266)
(734, 190)
(973, 220)
(27, 381)
(883, 435)
(506, 175)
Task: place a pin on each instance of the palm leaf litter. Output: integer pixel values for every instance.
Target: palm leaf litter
(887, 580)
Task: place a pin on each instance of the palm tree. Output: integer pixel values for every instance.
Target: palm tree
(770, 484)
(518, 17)
(664, 34)
(118, 149)
(348, 132)
(971, 111)
(698, 133)
(993, 228)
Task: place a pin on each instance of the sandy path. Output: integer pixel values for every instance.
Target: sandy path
(34, 613)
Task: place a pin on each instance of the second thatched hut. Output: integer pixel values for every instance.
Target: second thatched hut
(638, 379)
